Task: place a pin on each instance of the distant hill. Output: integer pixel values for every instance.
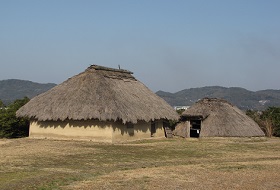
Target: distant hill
(242, 98)
(13, 89)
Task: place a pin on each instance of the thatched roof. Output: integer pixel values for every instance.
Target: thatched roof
(221, 119)
(99, 93)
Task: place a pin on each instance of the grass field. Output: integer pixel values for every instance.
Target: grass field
(217, 163)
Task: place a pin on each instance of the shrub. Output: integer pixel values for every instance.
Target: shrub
(268, 120)
(10, 125)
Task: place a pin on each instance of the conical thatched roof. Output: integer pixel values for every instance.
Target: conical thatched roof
(221, 119)
(99, 93)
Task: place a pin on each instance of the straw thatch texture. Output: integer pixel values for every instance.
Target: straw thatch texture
(99, 93)
(221, 119)
(182, 129)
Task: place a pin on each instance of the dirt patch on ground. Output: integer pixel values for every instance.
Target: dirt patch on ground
(4, 141)
(183, 177)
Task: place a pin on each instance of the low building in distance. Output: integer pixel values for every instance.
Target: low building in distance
(212, 117)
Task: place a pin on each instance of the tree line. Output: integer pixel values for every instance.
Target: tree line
(268, 120)
(10, 125)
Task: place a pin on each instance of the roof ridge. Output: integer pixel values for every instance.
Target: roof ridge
(217, 100)
(98, 67)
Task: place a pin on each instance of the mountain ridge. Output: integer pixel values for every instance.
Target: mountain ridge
(12, 89)
(241, 97)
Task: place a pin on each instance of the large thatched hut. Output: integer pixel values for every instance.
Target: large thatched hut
(100, 104)
(216, 118)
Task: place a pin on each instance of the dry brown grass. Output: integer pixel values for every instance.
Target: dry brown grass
(214, 163)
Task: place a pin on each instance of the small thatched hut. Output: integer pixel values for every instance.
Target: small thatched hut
(100, 104)
(216, 118)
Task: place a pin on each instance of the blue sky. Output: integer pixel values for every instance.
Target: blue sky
(170, 45)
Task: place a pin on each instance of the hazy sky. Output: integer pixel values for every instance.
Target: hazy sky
(170, 45)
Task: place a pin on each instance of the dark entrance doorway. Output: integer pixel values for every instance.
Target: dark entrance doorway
(153, 128)
(195, 128)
